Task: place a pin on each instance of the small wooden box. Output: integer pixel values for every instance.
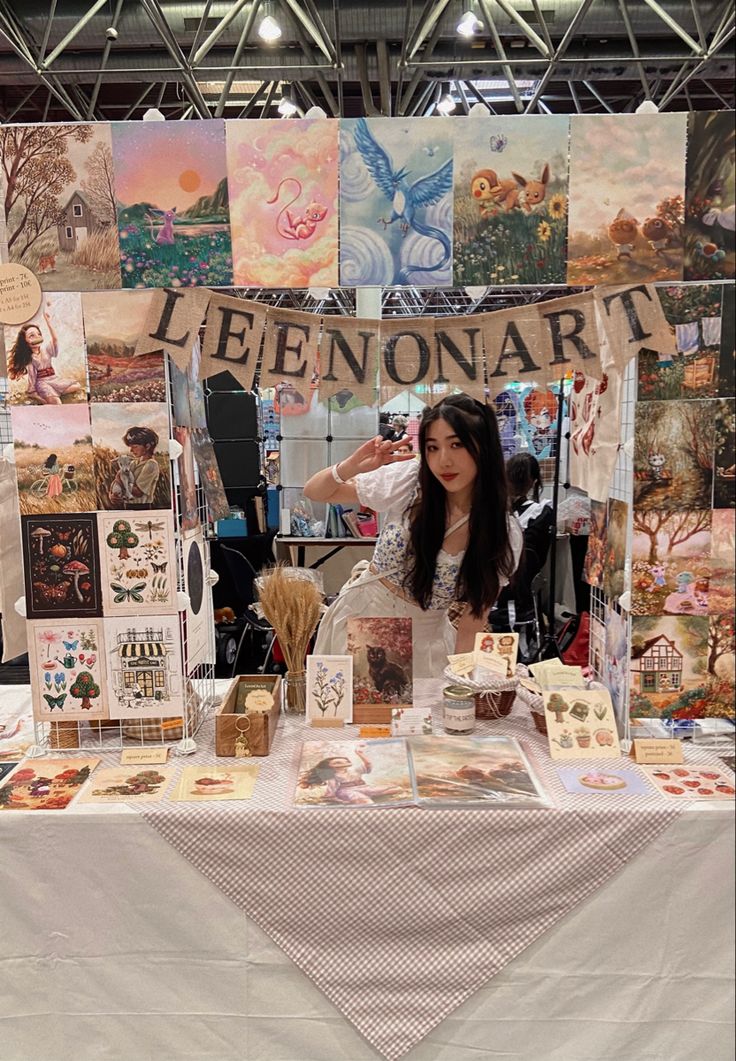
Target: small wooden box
(262, 723)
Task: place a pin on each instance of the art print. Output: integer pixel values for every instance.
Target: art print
(673, 455)
(204, 783)
(671, 562)
(710, 196)
(17, 731)
(186, 481)
(138, 562)
(672, 672)
(506, 408)
(510, 199)
(395, 203)
(46, 363)
(473, 770)
(5, 769)
(128, 784)
(610, 781)
(113, 323)
(61, 565)
(131, 450)
(694, 314)
(144, 667)
(199, 616)
(45, 784)
(66, 658)
(282, 178)
(721, 667)
(497, 646)
(330, 689)
(382, 659)
(627, 187)
(581, 724)
(53, 459)
(350, 774)
(60, 204)
(724, 482)
(691, 782)
(595, 556)
(614, 567)
(538, 421)
(722, 559)
(218, 505)
(616, 661)
(172, 210)
(727, 356)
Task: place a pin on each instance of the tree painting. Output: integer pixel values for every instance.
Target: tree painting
(673, 455)
(85, 689)
(122, 538)
(671, 562)
(710, 195)
(58, 189)
(720, 642)
(724, 486)
(723, 555)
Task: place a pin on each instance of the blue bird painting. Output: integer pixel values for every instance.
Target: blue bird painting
(409, 199)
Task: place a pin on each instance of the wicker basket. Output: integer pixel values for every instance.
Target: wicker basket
(535, 703)
(64, 735)
(494, 698)
(154, 729)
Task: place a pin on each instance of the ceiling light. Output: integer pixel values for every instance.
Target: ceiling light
(269, 29)
(446, 104)
(469, 25)
(286, 107)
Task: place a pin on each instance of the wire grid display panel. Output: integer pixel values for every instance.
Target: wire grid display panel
(198, 679)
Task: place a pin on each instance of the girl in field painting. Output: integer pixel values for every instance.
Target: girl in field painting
(33, 357)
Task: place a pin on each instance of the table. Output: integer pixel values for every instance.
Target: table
(335, 545)
(115, 946)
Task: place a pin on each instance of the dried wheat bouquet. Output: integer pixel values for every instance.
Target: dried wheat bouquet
(292, 605)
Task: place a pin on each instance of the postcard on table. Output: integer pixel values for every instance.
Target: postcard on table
(199, 783)
(382, 659)
(45, 784)
(138, 562)
(492, 771)
(694, 782)
(121, 784)
(67, 664)
(61, 564)
(581, 724)
(502, 647)
(353, 774)
(583, 781)
(330, 689)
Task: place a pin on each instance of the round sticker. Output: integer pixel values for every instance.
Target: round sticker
(20, 294)
(259, 700)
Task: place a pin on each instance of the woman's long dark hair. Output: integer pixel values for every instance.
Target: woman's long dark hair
(488, 554)
(20, 354)
(523, 474)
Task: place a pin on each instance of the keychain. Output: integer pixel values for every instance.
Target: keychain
(242, 747)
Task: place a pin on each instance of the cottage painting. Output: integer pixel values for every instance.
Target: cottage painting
(144, 667)
(60, 204)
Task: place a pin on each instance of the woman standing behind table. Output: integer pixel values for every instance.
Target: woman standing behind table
(446, 536)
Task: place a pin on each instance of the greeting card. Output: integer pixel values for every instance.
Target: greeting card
(330, 689)
(581, 724)
(67, 667)
(45, 784)
(138, 562)
(61, 565)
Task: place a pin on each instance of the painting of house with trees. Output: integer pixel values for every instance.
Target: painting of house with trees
(59, 201)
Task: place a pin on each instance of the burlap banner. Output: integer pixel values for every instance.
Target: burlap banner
(232, 338)
(348, 357)
(173, 323)
(290, 347)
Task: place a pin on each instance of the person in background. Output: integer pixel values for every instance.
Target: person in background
(447, 536)
(384, 426)
(398, 427)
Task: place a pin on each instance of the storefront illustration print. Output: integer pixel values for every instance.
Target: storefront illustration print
(142, 673)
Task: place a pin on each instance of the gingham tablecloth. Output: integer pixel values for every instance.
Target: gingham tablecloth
(399, 915)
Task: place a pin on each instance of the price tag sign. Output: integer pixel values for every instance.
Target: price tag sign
(143, 756)
(20, 294)
(651, 750)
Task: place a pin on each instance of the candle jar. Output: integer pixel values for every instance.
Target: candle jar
(458, 709)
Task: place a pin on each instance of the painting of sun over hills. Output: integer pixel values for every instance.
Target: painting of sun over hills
(172, 204)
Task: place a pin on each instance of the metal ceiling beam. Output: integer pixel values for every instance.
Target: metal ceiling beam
(575, 97)
(158, 20)
(138, 102)
(428, 20)
(103, 61)
(672, 91)
(15, 36)
(417, 76)
(501, 52)
(217, 32)
(239, 49)
(339, 67)
(47, 29)
(384, 76)
(369, 106)
(323, 42)
(87, 17)
(251, 104)
(594, 92)
(319, 76)
(561, 49)
(634, 46)
(525, 28)
(675, 26)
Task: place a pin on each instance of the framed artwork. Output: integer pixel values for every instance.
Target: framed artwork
(204, 783)
(45, 784)
(199, 615)
(144, 667)
(66, 658)
(128, 784)
(46, 363)
(61, 564)
(283, 201)
(53, 459)
(510, 199)
(330, 689)
(60, 204)
(138, 562)
(627, 186)
(674, 445)
(384, 163)
(581, 724)
(353, 774)
(173, 219)
(131, 450)
(492, 771)
(382, 660)
(113, 322)
(671, 562)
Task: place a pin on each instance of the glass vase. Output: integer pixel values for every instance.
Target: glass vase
(295, 693)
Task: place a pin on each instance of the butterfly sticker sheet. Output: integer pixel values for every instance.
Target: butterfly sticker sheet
(138, 562)
(61, 566)
(66, 660)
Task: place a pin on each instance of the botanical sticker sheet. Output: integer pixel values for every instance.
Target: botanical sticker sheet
(132, 465)
(128, 784)
(45, 784)
(282, 178)
(60, 204)
(66, 658)
(395, 203)
(138, 562)
(198, 783)
(627, 186)
(61, 564)
(581, 724)
(330, 689)
(488, 770)
(510, 199)
(382, 659)
(113, 322)
(144, 667)
(53, 458)
(710, 196)
(353, 774)
(46, 361)
(172, 204)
